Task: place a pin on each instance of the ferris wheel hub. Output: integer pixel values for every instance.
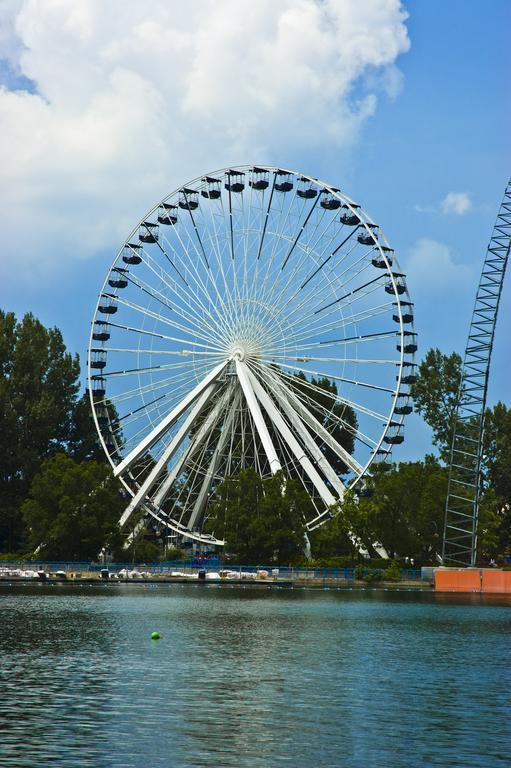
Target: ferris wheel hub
(238, 353)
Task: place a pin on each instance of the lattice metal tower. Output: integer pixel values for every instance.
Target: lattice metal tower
(462, 505)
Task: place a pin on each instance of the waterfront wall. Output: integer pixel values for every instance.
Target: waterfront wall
(74, 570)
(485, 580)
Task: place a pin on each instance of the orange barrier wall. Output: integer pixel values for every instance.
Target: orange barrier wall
(457, 581)
(496, 581)
(490, 581)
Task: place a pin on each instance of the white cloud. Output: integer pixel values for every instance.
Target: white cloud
(456, 202)
(135, 98)
(430, 269)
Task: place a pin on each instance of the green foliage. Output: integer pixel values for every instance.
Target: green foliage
(404, 513)
(56, 494)
(392, 572)
(369, 575)
(72, 510)
(262, 521)
(497, 452)
(435, 395)
(83, 442)
(340, 561)
(492, 525)
(142, 550)
(321, 394)
(174, 554)
(38, 390)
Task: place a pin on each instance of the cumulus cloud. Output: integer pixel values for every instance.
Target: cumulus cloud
(456, 202)
(430, 268)
(131, 99)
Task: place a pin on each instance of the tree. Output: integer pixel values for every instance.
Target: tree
(351, 529)
(83, 439)
(404, 512)
(495, 533)
(338, 418)
(73, 509)
(435, 395)
(261, 520)
(38, 390)
(497, 451)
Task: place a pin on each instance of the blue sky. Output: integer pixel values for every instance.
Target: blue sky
(410, 116)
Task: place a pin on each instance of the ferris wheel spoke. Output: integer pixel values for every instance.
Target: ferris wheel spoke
(257, 416)
(351, 293)
(367, 337)
(147, 369)
(169, 382)
(166, 455)
(309, 297)
(281, 238)
(225, 300)
(148, 257)
(358, 407)
(148, 410)
(155, 433)
(294, 446)
(341, 378)
(205, 430)
(204, 321)
(335, 324)
(265, 223)
(307, 417)
(300, 232)
(276, 231)
(196, 319)
(309, 359)
(167, 321)
(219, 316)
(325, 261)
(319, 232)
(156, 352)
(162, 336)
(142, 409)
(194, 274)
(203, 252)
(198, 507)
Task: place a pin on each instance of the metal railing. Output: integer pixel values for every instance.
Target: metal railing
(187, 567)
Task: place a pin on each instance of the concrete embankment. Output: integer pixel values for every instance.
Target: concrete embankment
(106, 579)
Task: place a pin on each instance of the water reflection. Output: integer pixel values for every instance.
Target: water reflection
(243, 677)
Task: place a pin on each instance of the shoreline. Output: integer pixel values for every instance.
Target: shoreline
(268, 584)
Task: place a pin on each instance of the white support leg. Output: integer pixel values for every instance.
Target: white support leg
(281, 392)
(191, 450)
(323, 433)
(203, 493)
(167, 422)
(292, 443)
(166, 455)
(253, 405)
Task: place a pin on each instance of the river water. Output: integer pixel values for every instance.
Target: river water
(252, 678)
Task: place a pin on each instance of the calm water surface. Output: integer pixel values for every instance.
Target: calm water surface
(245, 677)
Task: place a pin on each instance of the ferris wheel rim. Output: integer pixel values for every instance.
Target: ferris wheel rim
(380, 244)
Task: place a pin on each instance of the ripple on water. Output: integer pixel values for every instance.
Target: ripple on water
(252, 678)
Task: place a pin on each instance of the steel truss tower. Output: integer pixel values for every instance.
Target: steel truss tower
(462, 505)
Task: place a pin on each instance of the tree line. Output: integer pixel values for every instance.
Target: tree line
(58, 498)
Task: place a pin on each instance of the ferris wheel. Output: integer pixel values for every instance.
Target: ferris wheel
(255, 317)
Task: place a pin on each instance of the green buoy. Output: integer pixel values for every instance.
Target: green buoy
(155, 635)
